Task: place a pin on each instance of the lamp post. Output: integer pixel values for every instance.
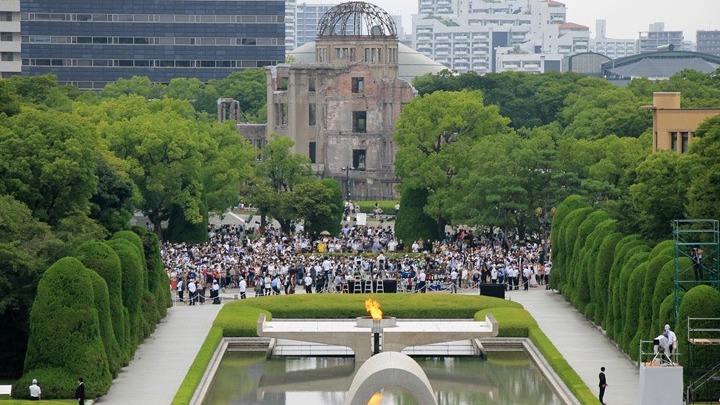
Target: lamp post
(347, 181)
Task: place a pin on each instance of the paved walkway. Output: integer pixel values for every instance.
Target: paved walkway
(584, 347)
(162, 361)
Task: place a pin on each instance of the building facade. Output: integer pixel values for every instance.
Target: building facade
(674, 127)
(520, 35)
(708, 42)
(340, 110)
(10, 38)
(91, 43)
(611, 47)
(658, 39)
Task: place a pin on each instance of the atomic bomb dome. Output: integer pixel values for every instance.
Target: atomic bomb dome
(357, 19)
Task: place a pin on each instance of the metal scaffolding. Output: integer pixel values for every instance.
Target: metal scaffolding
(699, 241)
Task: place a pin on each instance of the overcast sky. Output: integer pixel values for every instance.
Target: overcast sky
(625, 18)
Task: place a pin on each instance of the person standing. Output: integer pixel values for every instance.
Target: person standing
(308, 284)
(80, 391)
(242, 286)
(192, 289)
(602, 385)
(35, 391)
(671, 339)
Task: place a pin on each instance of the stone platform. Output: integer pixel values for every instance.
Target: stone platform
(406, 333)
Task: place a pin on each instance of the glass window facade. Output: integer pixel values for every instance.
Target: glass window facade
(91, 43)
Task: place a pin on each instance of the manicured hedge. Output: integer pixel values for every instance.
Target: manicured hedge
(621, 283)
(158, 281)
(107, 334)
(514, 322)
(103, 260)
(132, 290)
(65, 337)
(602, 275)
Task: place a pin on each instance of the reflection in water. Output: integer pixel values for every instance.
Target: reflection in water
(248, 379)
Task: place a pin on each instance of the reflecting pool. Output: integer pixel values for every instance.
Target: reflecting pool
(247, 378)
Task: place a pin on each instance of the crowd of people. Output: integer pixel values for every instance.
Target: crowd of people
(272, 263)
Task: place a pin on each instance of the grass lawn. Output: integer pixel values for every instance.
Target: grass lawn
(368, 207)
(238, 319)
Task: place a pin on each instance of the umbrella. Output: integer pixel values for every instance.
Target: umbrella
(325, 233)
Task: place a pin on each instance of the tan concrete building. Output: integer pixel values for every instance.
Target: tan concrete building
(674, 127)
(341, 109)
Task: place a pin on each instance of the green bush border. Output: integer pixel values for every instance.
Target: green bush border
(513, 320)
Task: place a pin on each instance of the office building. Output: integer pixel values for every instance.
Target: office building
(708, 42)
(674, 127)
(611, 47)
(91, 43)
(656, 38)
(10, 38)
(517, 35)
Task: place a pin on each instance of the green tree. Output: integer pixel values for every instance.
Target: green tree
(435, 135)
(412, 222)
(47, 161)
(658, 195)
(9, 100)
(703, 168)
(249, 87)
(136, 85)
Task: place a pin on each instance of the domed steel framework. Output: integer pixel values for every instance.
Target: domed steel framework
(357, 19)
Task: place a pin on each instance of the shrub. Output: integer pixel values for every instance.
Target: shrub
(158, 281)
(135, 240)
(664, 285)
(701, 301)
(512, 322)
(331, 223)
(572, 221)
(632, 308)
(65, 337)
(102, 259)
(132, 290)
(655, 265)
(586, 274)
(412, 222)
(637, 255)
(618, 262)
(239, 321)
(557, 234)
(603, 265)
(102, 305)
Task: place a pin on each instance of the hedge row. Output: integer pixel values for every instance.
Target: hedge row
(620, 282)
(90, 313)
(239, 319)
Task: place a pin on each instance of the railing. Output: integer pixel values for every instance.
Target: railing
(698, 383)
(650, 356)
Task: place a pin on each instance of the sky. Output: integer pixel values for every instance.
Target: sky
(625, 18)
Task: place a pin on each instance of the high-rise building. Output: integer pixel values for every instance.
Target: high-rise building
(656, 38)
(610, 47)
(709, 42)
(520, 35)
(307, 18)
(10, 44)
(91, 43)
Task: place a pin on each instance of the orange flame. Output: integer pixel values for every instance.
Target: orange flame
(373, 307)
(376, 398)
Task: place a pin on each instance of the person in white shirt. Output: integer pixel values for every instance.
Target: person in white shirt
(308, 284)
(242, 286)
(671, 339)
(421, 282)
(192, 289)
(453, 281)
(35, 391)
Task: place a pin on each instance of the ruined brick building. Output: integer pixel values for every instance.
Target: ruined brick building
(341, 107)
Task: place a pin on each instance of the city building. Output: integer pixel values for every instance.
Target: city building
(516, 35)
(91, 43)
(656, 38)
(340, 108)
(674, 127)
(708, 42)
(587, 63)
(304, 18)
(611, 47)
(10, 38)
(659, 65)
